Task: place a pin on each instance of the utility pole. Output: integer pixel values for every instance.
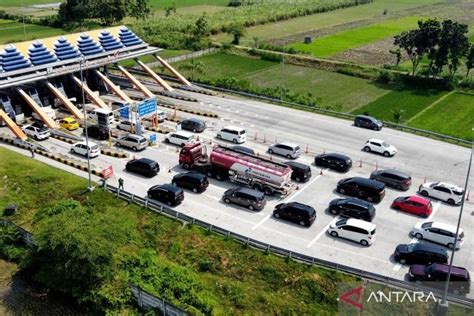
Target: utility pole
(90, 188)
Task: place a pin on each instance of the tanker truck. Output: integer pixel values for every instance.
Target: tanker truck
(243, 168)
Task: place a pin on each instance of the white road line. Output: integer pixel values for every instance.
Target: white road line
(435, 209)
(262, 221)
(211, 197)
(301, 190)
(318, 235)
(352, 253)
(217, 211)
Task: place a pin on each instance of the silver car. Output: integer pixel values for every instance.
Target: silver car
(289, 150)
(134, 142)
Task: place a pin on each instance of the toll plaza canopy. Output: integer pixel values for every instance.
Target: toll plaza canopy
(30, 61)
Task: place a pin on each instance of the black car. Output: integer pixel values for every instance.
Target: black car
(243, 149)
(362, 188)
(195, 181)
(253, 199)
(436, 275)
(144, 166)
(301, 172)
(97, 131)
(295, 212)
(420, 253)
(393, 178)
(194, 125)
(368, 122)
(334, 161)
(352, 207)
(166, 193)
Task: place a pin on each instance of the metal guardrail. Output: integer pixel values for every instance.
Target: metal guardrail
(256, 244)
(349, 116)
(25, 235)
(148, 301)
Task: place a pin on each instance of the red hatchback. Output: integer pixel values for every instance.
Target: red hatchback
(414, 205)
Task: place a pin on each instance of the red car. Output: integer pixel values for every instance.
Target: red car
(413, 205)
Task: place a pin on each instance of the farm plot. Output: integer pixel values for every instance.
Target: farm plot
(332, 44)
(16, 32)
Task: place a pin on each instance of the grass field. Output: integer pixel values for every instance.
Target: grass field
(453, 116)
(412, 101)
(325, 20)
(330, 45)
(16, 3)
(15, 32)
(160, 4)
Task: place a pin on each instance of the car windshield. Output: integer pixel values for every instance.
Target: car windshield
(95, 147)
(458, 192)
(372, 232)
(461, 235)
(341, 222)
(410, 247)
(297, 148)
(385, 144)
(72, 122)
(427, 225)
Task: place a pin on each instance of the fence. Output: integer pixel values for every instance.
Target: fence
(147, 301)
(343, 115)
(182, 57)
(25, 235)
(256, 244)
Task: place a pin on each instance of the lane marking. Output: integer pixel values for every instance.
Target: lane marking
(262, 221)
(319, 235)
(301, 190)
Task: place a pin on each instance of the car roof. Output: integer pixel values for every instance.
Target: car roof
(357, 201)
(192, 174)
(243, 148)
(459, 271)
(301, 206)
(418, 199)
(193, 119)
(249, 191)
(182, 133)
(376, 140)
(287, 144)
(360, 223)
(144, 160)
(449, 186)
(445, 226)
(335, 155)
(235, 128)
(296, 164)
(68, 118)
(428, 247)
(368, 182)
(396, 172)
(367, 116)
(84, 143)
(133, 136)
(168, 187)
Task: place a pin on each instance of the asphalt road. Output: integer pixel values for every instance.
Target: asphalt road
(423, 158)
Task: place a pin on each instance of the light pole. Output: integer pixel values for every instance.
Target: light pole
(443, 304)
(89, 186)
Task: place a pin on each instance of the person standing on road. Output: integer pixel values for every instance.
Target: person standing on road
(120, 184)
(32, 149)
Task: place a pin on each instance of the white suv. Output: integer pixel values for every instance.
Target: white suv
(234, 134)
(353, 229)
(81, 149)
(442, 191)
(38, 133)
(180, 138)
(289, 150)
(380, 146)
(439, 232)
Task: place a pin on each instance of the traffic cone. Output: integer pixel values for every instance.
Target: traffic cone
(255, 137)
(360, 163)
(297, 187)
(169, 169)
(321, 172)
(177, 150)
(467, 196)
(306, 149)
(264, 139)
(376, 165)
(197, 138)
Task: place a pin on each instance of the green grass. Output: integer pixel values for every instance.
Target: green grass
(324, 20)
(168, 53)
(16, 3)
(221, 65)
(453, 116)
(15, 32)
(412, 101)
(236, 279)
(160, 4)
(327, 46)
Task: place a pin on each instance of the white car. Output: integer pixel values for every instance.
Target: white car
(440, 233)
(353, 229)
(180, 138)
(81, 149)
(442, 191)
(289, 150)
(37, 133)
(380, 146)
(234, 134)
(126, 126)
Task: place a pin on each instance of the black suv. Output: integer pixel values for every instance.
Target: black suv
(144, 166)
(420, 253)
(366, 189)
(166, 193)
(393, 178)
(333, 161)
(253, 199)
(436, 275)
(354, 208)
(97, 131)
(295, 212)
(301, 172)
(195, 181)
(368, 122)
(194, 125)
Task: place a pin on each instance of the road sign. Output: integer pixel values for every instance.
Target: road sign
(152, 138)
(146, 107)
(125, 112)
(107, 172)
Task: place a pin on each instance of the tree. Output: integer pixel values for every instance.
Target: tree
(110, 11)
(398, 55)
(237, 31)
(470, 60)
(428, 35)
(140, 9)
(74, 10)
(454, 44)
(409, 41)
(398, 115)
(170, 9)
(193, 66)
(201, 28)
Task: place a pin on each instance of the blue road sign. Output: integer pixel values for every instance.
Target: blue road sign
(152, 138)
(146, 107)
(124, 112)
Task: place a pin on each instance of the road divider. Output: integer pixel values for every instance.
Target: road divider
(64, 139)
(114, 153)
(159, 129)
(190, 110)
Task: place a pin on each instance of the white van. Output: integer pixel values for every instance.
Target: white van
(234, 134)
(439, 232)
(180, 138)
(102, 116)
(81, 149)
(353, 229)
